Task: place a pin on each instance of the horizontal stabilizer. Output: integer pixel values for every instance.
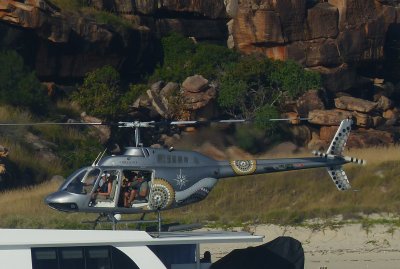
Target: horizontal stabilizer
(339, 178)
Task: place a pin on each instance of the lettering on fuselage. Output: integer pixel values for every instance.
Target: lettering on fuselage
(128, 162)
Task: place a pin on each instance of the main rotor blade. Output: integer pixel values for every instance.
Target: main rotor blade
(54, 123)
(204, 121)
(194, 122)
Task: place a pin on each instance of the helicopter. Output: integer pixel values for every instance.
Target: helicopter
(174, 178)
(177, 178)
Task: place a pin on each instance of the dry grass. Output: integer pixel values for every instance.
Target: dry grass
(25, 208)
(283, 198)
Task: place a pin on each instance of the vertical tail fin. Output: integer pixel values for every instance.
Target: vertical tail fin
(339, 140)
(336, 148)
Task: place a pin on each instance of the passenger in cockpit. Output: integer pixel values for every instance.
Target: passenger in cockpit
(105, 186)
(134, 189)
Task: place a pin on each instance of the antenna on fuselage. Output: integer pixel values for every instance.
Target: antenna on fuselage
(98, 158)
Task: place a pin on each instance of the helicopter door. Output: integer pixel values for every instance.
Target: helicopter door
(106, 190)
(135, 188)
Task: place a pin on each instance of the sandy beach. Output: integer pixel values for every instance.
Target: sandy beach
(350, 246)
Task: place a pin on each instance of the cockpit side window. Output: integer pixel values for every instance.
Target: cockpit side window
(83, 181)
(90, 179)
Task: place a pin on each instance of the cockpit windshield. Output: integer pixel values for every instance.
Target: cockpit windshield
(82, 181)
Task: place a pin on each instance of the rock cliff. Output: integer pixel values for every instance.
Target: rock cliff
(66, 45)
(332, 36)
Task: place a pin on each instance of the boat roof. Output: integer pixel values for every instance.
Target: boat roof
(11, 238)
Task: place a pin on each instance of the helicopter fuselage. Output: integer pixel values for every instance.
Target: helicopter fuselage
(175, 178)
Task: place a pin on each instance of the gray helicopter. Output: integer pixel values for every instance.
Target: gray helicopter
(175, 178)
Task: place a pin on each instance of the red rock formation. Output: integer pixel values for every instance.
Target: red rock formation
(325, 36)
(68, 45)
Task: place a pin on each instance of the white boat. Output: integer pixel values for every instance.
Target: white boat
(104, 249)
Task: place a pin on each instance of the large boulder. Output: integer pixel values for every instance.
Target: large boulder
(355, 104)
(195, 101)
(157, 103)
(43, 148)
(384, 103)
(309, 101)
(328, 117)
(195, 84)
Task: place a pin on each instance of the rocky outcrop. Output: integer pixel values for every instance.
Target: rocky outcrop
(44, 149)
(328, 36)
(203, 20)
(331, 37)
(64, 45)
(193, 99)
(375, 122)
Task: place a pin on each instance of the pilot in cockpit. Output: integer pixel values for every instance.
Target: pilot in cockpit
(105, 186)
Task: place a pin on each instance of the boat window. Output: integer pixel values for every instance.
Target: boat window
(98, 257)
(179, 159)
(44, 258)
(185, 159)
(72, 258)
(103, 257)
(173, 159)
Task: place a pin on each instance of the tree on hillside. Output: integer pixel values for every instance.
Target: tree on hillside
(254, 87)
(100, 93)
(19, 86)
(183, 58)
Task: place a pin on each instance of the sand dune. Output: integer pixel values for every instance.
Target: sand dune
(350, 246)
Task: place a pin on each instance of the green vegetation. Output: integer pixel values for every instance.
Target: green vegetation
(135, 90)
(104, 17)
(19, 86)
(69, 5)
(250, 86)
(288, 198)
(100, 93)
(74, 148)
(100, 16)
(183, 58)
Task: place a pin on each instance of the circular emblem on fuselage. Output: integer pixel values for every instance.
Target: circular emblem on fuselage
(244, 167)
(162, 194)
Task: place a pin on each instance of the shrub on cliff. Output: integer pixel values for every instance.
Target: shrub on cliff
(292, 79)
(254, 87)
(183, 58)
(100, 93)
(19, 86)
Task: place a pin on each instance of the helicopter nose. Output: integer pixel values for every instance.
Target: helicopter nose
(59, 201)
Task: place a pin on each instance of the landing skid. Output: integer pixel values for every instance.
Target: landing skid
(110, 218)
(155, 230)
